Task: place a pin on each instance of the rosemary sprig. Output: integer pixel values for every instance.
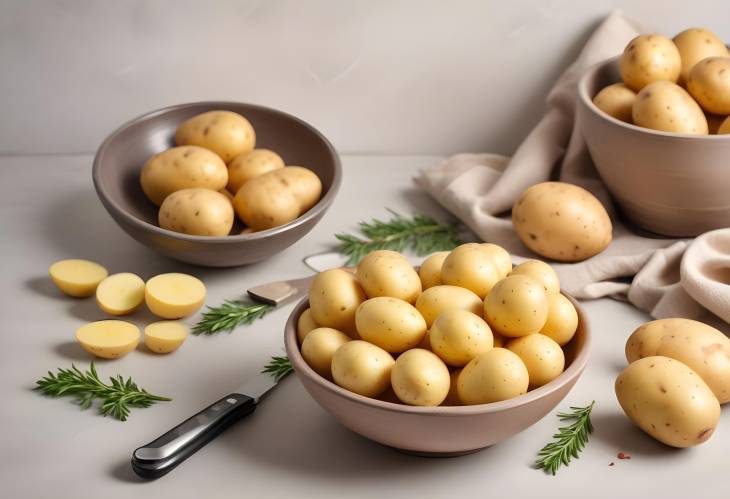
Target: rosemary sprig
(117, 398)
(419, 233)
(229, 315)
(569, 441)
(279, 367)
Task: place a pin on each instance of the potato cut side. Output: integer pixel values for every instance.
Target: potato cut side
(77, 278)
(109, 339)
(165, 336)
(174, 296)
(120, 294)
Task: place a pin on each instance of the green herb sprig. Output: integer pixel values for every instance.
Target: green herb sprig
(279, 367)
(230, 315)
(116, 398)
(569, 441)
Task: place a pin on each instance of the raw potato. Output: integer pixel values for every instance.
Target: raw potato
(305, 324)
(77, 278)
(562, 319)
(390, 323)
(649, 58)
(251, 164)
(493, 376)
(320, 346)
(517, 306)
(499, 256)
(226, 133)
(165, 336)
(616, 100)
(561, 221)
(724, 127)
(695, 44)
(228, 195)
(475, 267)
(303, 183)
(420, 378)
(334, 298)
(362, 368)
(457, 336)
(667, 107)
(198, 212)
(701, 347)
(182, 168)
(542, 356)
(174, 296)
(120, 294)
(432, 302)
(430, 271)
(452, 398)
(541, 272)
(668, 400)
(709, 84)
(388, 273)
(108, 339)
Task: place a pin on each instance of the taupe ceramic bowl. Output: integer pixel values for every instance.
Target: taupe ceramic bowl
(120, 158)
(670, 184)
(439, 431)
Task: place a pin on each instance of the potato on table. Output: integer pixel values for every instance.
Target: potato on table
(120, 294)
(198, 212)
(388, 273)
(226, 133)
(109, 339)
(165, 336)
(251, 164)
(320, 346)
(420, 378)
(174, 295)
(77, 278)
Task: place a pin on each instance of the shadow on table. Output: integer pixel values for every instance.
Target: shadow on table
(616, 430)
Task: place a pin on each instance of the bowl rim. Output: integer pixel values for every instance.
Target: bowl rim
(313, 212)
(569, 375)
(587, 101)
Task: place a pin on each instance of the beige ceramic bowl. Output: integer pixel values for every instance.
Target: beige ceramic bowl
(667, 183)
(439, 431)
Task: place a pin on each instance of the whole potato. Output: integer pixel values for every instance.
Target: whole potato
(390, 323)
(198, 212)
(182, 168)
(420, 378)
(695, 44)
(667, 107)
(541, 273)
(457, 336)
(474, 267)
(305, 324)
(701, 347)
(616, 100)
(264, 203)
(334, 298)
(303, 183)
(709, 84)
(430, 271)
(388, 273)
(319, 346)
(226, 133)
(493, 376)
(724, 126)
(251, 164)
(542, 356)
(649, 58)
(517, 306)
(668, 400)
(562, 319)
(432, 302)
(499, 256)
(362, 368)
(561, 221)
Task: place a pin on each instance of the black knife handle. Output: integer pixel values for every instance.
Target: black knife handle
(172, 448)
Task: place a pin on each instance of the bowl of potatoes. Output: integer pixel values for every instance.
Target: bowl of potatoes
(442, 360)
(656, 120)
(217, 184)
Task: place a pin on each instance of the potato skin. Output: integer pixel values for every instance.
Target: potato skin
(475, 267)
(709, 84)
(668, 400)
(695, 44)
(388, 273)
(541, 272)
(251, 164)
(562, 319)
(320, 346)
(452, 398)
(561, 221)
(334, 298)
(516, 306)
(226, 133)
(542, 356)
(616, 100)
(77, 278)
(362, 368)
(430, 271)
(198, 212)
(667, 107)
(491, 377)
(305, 324)
(457, 336)
(390, 323)
(649, 58)
(303, 183)
(724, 126)
(432, 302)
(420, 378)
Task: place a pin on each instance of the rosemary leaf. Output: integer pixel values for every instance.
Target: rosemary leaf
(278, 367)
(568, 442)
(229, 315)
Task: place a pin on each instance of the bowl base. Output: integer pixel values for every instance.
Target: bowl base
(419, 453)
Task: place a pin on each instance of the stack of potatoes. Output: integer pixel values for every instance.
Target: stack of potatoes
(680, 85)
(215, 171)
(465, 329)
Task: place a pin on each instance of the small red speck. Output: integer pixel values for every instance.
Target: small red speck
(623, 455)
(612, 464)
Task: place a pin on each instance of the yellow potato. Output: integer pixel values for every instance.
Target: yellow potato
(517, 306)
(108, 339)
(668, 400)
(452, 398)
(320, 346)
(457, 336)
(649, 58)
(303, 183)
(542, 356)
(701, 347)
(390, 323)
(120, 294)
(420, 378)
(667, 107)
(334, 298)
(493, 376)
(695, 44)
(541, 272)
(228, 195)
(77, 278)
(251, 164)
(474, 267)
(432, 302)
(499, 256)
(226, 133)
(430, 271)
(305, 324)
(174, 295)
(362, 368)
(709, 84)
(264, 203)
(198, 212)
(165, 336)
(724, 126)
(562, 319)
(388, 273)
(561, 221)
(616, 100)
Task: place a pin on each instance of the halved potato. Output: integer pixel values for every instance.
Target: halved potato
(174, 295)
(165, 336)
(120, 294)
(109, 339)
(77, 278)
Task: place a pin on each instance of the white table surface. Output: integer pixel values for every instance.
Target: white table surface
(289, 447)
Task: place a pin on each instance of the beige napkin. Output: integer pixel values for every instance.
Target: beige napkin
(481, 188)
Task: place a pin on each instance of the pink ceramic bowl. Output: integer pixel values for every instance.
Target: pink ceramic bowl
(670, 184)
(439, 431)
